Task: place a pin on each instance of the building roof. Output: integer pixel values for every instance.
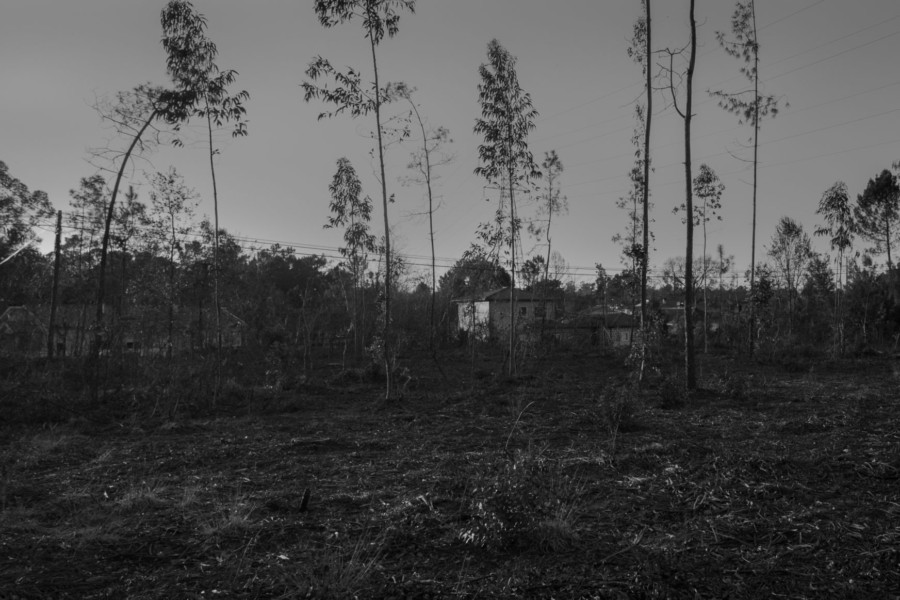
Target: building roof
(502, 295)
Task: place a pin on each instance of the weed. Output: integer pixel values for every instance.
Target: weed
(619, 409)
(234, 516)
(734, 386)
(523, 501)
(339, 569)
(517, 410)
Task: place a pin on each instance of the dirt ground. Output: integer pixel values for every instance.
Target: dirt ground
(557, 484)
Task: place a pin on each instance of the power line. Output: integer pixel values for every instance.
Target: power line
(835, 55)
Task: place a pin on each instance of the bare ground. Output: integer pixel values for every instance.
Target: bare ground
(764, 484)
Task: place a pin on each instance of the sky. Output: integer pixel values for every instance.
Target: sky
(832, 63)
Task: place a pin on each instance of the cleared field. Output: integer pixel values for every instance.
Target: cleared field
(563, 485)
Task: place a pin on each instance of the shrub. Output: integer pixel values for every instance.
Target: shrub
(524, 501)
(618, 409)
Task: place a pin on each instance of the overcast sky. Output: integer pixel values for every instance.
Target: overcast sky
(834, 62)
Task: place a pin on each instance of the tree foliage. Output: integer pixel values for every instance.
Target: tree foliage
(507, 117)
(203, 88)
(877, 213)
(835, 208)
(20, 211)
(379, 18)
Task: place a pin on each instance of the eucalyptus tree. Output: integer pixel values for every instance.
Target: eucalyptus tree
(204, 94)
(352, 212)
(839, 227)
(640, 51)
(553, 202)
(350, 95)
(708, 188)
(749, 105)
(507, 117)
(686, 115)
(877, 213)
(631, 240)
(169, 223)
(427, 157)
(791, 251)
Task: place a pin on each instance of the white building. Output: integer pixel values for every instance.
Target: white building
(488, 315)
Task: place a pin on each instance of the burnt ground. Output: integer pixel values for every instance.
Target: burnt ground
(554, 485)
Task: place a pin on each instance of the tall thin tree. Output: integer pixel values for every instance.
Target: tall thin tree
(744, 45)
(379, 18)
(427, 157)
(204, 87)
(352, 212)
(839, 227)
(640, 51)
(708, 188)
(554, 202)
(507, 117)
(687, 115)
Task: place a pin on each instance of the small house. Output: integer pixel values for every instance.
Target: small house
(489, 314)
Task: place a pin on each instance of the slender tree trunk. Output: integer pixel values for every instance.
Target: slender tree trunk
(705, 305)
(752, 346)
(216, 296)
(427, 155)
(689, 356)
(646, 241)
(171, 289)
(543, 299)
(54, 294)
(431, 308)
(101, 287)
(387, 233)
(512, 289)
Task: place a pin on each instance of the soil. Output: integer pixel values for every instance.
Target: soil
(560, 483)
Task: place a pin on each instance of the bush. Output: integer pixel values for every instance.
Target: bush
(618, 409)
(525, 501)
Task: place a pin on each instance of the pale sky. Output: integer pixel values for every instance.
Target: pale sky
(834, 61)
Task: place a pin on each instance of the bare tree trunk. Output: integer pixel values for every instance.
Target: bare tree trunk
(54, 294)
(705, 285)
(104, 247)
(388, 363)
(646, 241)
(216, 297)
(689, 356)
(512, 288)
(755, 173)
(432, 330)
